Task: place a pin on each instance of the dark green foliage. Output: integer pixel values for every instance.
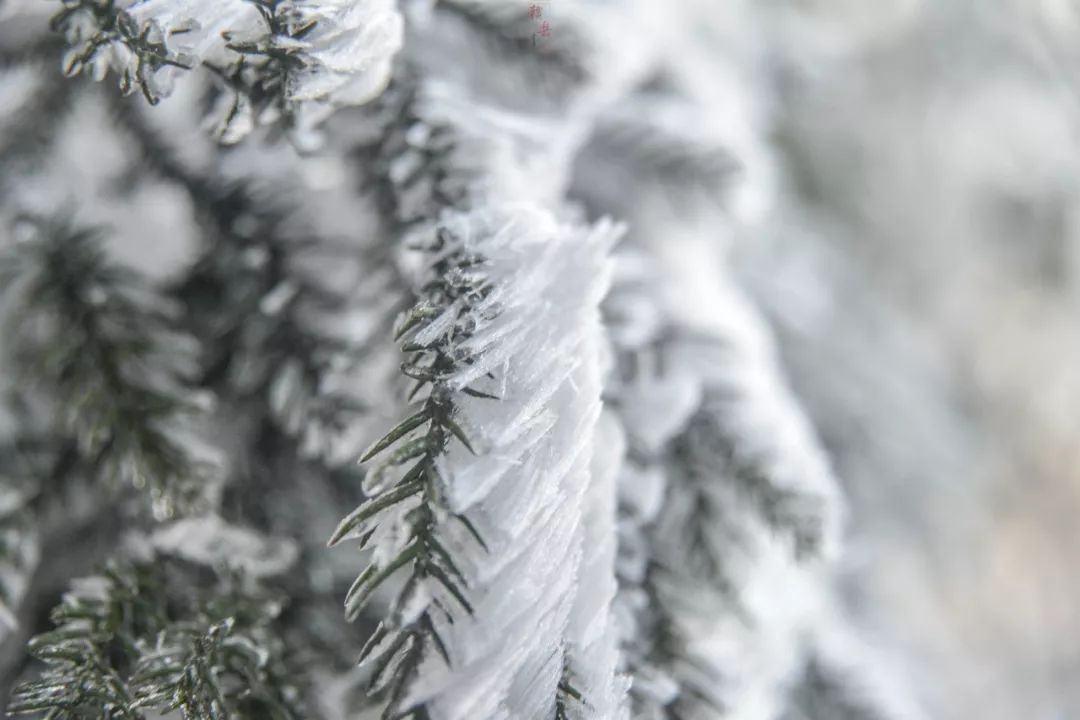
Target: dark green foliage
(406, 486)
(155, 636)
(103, 347)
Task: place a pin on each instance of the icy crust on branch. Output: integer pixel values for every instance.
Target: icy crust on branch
(287, 60)
(722, 490)
(537, 270)
(526, 487)
(505, 344)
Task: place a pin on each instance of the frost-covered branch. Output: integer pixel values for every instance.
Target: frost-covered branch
(564, 515)
(271, 327)
(103, 347)
(458, 170)
(482, 316)
(106, 348)
(724, 487)
(278, 60)
(144, 637)
(406, 489)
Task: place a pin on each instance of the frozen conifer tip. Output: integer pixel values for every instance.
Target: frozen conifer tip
(345, 48)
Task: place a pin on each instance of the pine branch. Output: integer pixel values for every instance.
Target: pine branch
(724, 458)
(104, 348)
(49, 528)
(277, 60)
(103, 35)
(670, 680)
(687, 576)
(93, 647)
(261, 317)
(445, 162)
(689, 582)
(265, 78)
(441, 163)
(209, 671)
(143, 637)
(75, 532)
(412, 499)
(673, 525)
(756, 434)
(265, 334)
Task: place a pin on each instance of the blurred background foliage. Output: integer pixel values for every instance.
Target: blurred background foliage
(932, 149)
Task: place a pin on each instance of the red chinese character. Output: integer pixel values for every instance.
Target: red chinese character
(545, 29)
(535, 11)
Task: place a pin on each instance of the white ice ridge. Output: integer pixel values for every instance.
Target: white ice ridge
(538, 333)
